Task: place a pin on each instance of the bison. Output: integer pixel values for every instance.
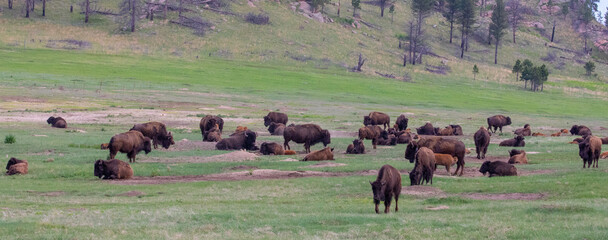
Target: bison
(580, 130)
(215, 135)
(276, 129)
(112, 169)
(238, 130)
(377, 118)
(447, 131)
(209, 122)
(309, 134)
(518, 156)
(386, 139)
(482, 141)
(16, 166)
(57, 122)
(589, 150)
(157, 132)
(517, 141)
(320, 155)
(497, 168)
(457, 130)
(604, 155)
(525, 131)
(605, 140)
(446, 160)
(275, 117)
(498, 121)
(387, 186)
(131, 143)
(439, 145)
(424, 167)
(104, 146)
(426, 129)
(370, 132)
(405, 137)
(537, 134)
(401, 123)
(356, 148)
(243, 140)
(271, 148)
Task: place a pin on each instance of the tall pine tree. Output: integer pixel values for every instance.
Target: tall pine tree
(498, 25)
(466, 19)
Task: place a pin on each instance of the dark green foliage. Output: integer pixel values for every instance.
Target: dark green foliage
(536, 75)
(356, 5)
(318, 4)
(475, 71)
(589, 67)
(466, 19)
(450, 13)
(259, 19)
(10, 139)
(498, 25)
(517, 69)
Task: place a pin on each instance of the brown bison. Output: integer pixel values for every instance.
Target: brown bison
(439, 145)
(517, 141)
(356, 148)
(604, 155)
(482, 141)
(243, 140)
(131, 143)
(537, 134)
(215, 135)
(386, 139)
(237, 130)
(209, 122)
(405, 137)
(387, 186)
(518, 156)
(57, 122)
(377, 118)
(112, 169)
(577, 140)
(271, 148)
(275, 117)
(157, 132)
(424, 167)
(309, 134)
(525, 131)
(498, 121)
(497, 168)
(370, 132)
(446, 160)
(447, 131)
(589, 150)
(557, 134)
(605, 140)
(16, 166)
(426, 129)
(104, 146)
(401, 123)
(580, 130)
(320, 155)
(457, 130)
(290, 152)
(276, 129)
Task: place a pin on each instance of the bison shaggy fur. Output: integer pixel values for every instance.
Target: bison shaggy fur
(453, 147)
(426, 129)
(447, 131)
(386, 186)
(589, 151)
(243, 140)
(377, 118)
(157, 132)
(517, 141)
(580, 130)
(401, 123)
(457, 130)
(498, 121)
(356, 148)
(208, 122)
(518, 156)
(275, 117)
(320, 155)
(112, 169)
(271, 148)
(525, 131)
(276, 129)
(309, 134)
(16, 166)
(497, 168)
(482, 141)
(57, 122)
(424, 167)
(131, 143)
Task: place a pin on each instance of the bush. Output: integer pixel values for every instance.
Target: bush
(10, 139)
(259, 19)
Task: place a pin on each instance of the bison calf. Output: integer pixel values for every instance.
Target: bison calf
(320, 155)
(105, 146)
(386, 186)
(57, 122)
(16, 166)
(112, 169)
(446, 160)
(356, 148)
(271, 148)
(517, 141)
(497, 168)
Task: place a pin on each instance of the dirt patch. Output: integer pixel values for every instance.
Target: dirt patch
(423, 191)
(325, 164)
(48, 194)
(243, 167)
(468, 172)
(504, 196)
(236, 156)
(185, 145)
(440, 207)
(132, 194)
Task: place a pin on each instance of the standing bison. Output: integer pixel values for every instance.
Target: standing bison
(112, 169)
(131, 143)
(242, 140)
(439, 145)
(590, 150)
(276, 128)
(157, 132)
(377, 118)
(370, 132)
(401, 123)
(424, 167)
(208, 122)
(57, 122)
(426, 129)
(498, 121)
(497, 168)
(309, 134)
(356, 148)
(580, 130)
(275, 117)
(387, 185)
(482, 141)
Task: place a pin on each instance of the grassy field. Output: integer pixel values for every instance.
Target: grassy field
(100, 95)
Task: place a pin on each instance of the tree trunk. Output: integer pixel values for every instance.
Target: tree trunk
(86, 11)
(133, 7)
(151, 15)
(354, 11)
(514, 29)
(10, 4)
(496, 52)
(382, 8)
(27, 8)
(404, 59)
(466, 42)
(525, 84)
(71, 8)
(542, 86)
(180, 9)
(489, 37)
(516, 76)
(165, 10)
(33, 4)
(462, 44)
(553, 31)
(451, 30)
(43, 8)
(338, 8)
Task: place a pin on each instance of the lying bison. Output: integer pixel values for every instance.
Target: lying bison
(320, 155)
(424, 167)
(215, 135)
(370, 132)
(517, 141)
(517, 156)
(590, 150)
(57, 122)
(498, 121)
(209, 122)
(131, 143)
(112, 169)
(447, 131)
(498, 168)
(439, 145)
(525, 131)
(580, 130)
(386, 139)
(275, 117)
(238, 130)
(271, 148)
(16, 166)
(276, 129)
(482, 141)
(356, 148)
(457, 130)
(387, 185)
(401, 123)
(377, 118)
(105, 146)
(157, 132)
(309, 134)
(243, 140)
(426, 129)
(405, 137)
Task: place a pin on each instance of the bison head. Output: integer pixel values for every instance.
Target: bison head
(574, 129)
(508, 120)
(485, 167)
(519, 138)
(264, 148)
(51, 120)
(326, 137)
(415, 177)
(147, 145)
(99, 168)
(384, 134)
(250, 137)
(11, 162)
(514, 152)
(367, 121)
(267, 121)
(167, 141)
(527, 125)
(378, 189)
(357, 142)
(583, 150)
(410, 151)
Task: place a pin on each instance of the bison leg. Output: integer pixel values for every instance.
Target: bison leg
(377, 211)
(397, 203)
(307, 147)
(478, 152)
(447, 168)
(500, 129)
(387, 204)
(155, 140)
(112, 154)
(374, 142)
(286, 145)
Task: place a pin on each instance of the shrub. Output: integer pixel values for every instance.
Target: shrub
(259, 19)
(10, 139)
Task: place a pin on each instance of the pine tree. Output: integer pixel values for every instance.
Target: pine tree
(517, 69)
(391, 10)
(466, 19)
(356, 5)
(589, 67)
(475, 71)
(450, 14)
(498, 25)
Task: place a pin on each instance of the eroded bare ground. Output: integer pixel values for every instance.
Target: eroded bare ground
(236, 156)
(433, 192)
